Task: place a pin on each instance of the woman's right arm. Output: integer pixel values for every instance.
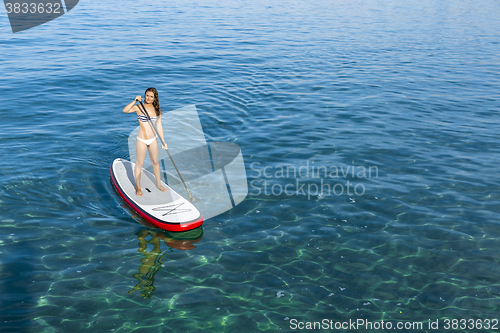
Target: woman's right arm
(131, 107)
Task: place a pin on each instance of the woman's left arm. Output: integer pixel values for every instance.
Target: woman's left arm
(160, 132)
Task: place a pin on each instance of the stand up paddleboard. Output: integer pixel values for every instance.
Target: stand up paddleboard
(165, 210)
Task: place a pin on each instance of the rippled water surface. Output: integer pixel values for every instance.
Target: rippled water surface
(370, 136)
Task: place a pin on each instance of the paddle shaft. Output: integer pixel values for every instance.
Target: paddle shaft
(143, 110)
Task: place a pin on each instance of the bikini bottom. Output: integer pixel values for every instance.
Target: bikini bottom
(147, 142)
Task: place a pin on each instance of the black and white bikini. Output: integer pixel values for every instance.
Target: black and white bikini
(142, 118)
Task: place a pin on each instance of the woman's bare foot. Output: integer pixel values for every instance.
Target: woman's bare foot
(138, 191)
(161, 188)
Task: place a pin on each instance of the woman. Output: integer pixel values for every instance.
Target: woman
(147, 139)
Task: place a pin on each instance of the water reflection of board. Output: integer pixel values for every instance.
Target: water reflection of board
(165, 210)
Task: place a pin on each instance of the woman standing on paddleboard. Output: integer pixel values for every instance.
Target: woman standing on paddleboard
(147, 139)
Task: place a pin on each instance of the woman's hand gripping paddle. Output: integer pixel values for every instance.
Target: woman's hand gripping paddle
(143, 110)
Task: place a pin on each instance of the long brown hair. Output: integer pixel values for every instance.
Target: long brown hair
(156, 101)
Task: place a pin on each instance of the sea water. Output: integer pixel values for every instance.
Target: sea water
(370, 137)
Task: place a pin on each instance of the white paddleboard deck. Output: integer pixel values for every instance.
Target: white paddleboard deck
(165, 210)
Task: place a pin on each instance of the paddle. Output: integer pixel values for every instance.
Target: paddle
(143, 110)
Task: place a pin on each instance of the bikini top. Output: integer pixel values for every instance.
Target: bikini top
(144, 119)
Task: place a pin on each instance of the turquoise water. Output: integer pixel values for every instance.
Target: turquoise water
(403, 94)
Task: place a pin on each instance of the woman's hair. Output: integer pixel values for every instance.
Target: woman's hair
(156, 101)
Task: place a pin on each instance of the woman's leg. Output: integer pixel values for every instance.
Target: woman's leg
(153, 153)
(140, 154)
